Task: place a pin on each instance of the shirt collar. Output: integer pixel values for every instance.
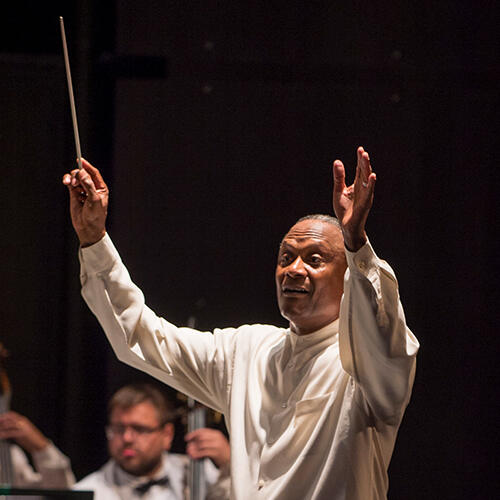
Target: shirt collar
(124, 478)
(328, 335)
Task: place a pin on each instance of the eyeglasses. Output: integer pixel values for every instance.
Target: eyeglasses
(114, 430)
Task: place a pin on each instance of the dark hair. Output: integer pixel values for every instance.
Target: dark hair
(134, 394)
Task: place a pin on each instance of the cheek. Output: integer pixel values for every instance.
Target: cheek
(153, 449)
(113, 447)
(278, 274)
(331, 287)
(336, 276)
(278, 278)
(338, 279)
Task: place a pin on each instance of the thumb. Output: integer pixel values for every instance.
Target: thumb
(338, 177)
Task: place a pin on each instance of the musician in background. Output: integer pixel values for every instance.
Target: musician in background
(52, 469)
(140, 433)
(18, 436)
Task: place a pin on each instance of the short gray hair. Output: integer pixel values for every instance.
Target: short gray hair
(323, 218)
(328, 219)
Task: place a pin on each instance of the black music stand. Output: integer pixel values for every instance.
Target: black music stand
(8, 493)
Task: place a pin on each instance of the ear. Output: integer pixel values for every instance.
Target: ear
(168, 435)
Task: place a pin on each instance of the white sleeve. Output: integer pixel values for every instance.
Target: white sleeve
(376, 347)
(195, 363)
(53, 468)
(24, 475)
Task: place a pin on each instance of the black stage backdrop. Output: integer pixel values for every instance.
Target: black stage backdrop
(215, 126)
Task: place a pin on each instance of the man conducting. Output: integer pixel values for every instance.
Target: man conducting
(312, 410)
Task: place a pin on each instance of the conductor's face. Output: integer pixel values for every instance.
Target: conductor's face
(137, 439)
(309, 275)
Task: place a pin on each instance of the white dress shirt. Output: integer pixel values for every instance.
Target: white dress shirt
(309, 417)
(52, 468)
(111, 482)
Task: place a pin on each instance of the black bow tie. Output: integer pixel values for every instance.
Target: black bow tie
(143, 488)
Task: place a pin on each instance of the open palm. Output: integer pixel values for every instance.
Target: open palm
(352, 203)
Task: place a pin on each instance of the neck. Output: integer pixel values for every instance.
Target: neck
(305, 329)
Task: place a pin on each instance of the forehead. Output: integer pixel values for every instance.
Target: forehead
(313, 231)
(143, 412)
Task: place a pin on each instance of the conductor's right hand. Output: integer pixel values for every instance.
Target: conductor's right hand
(88, 203)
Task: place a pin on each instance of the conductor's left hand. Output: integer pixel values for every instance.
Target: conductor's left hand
(89, 197)
(352, 203)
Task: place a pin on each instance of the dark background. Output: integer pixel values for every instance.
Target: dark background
(215, 125)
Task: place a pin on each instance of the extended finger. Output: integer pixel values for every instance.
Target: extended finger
(94, 174)
(366, 168)
(364, 197)
(361, 157)
(359, 154)
(363, 170)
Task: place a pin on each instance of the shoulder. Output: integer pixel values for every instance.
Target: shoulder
(177, 460)
(260, 335)
(249, 338)
(255, 331)
(94, 479)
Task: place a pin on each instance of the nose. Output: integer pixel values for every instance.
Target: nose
(296, 268)
(128, 434)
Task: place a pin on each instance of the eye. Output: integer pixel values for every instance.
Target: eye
(315, 260)
(140, 429)
(284, 259)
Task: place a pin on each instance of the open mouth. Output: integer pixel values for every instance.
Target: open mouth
(294, 291)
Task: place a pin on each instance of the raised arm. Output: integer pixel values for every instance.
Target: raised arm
(376, 347)
(88, 203)
(352, 203)
(191, 361)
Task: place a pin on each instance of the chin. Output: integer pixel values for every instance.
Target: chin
(292, 314)
(129, 466)
(135, 471)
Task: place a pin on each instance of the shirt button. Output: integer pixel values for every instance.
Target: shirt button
(261, 484)
(283, 405)
(362, 265)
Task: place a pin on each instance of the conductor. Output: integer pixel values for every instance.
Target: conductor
(313, 409)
